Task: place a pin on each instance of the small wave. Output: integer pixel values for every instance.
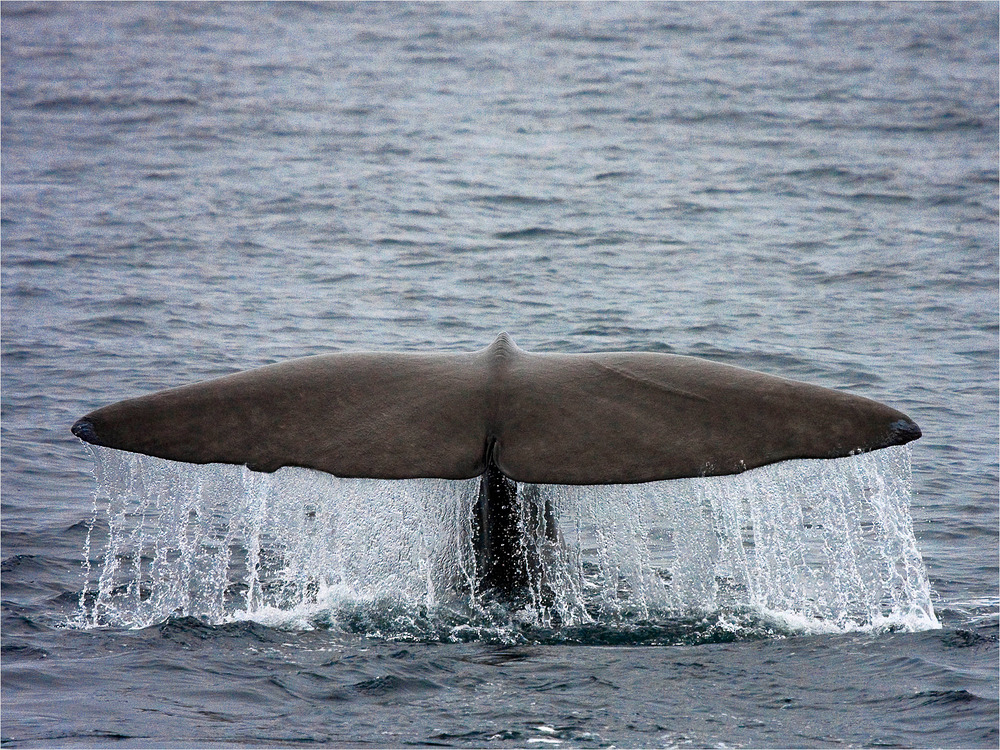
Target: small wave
(727, 117)
(186, 628)
(586, 35)
(116, 102)
(881, 198)
(16, 649)
(533, 233)
(943, 123)
(392, 685)
(969, 639)
(513, 199)
(30, 562)
(587, 92)
(948, 698)
(854, 277)
(112, 323)
(17, 10)
(618, 175)
(836, 172)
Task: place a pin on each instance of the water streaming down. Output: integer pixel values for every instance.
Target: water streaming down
(801, 546)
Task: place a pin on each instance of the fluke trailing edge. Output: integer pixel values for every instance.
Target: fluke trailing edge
(542, 418)
(504, 414)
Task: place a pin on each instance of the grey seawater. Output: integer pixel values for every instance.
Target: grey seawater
(190, 190)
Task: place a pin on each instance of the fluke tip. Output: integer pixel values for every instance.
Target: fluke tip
(904, 431)
(84, 429)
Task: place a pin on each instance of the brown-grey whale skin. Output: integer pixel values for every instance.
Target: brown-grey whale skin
(544, 418)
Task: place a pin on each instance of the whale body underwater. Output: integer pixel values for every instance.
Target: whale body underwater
(502, 414)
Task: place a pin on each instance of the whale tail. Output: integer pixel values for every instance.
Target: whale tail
(505, 415)
(544, 418)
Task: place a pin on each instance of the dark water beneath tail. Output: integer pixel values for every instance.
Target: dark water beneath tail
(806, 190)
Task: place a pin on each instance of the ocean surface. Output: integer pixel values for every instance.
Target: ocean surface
(808, 190)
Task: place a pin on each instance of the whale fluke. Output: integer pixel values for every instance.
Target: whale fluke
(541, 418)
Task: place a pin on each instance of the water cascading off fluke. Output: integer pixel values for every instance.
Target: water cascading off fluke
(807, 545)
